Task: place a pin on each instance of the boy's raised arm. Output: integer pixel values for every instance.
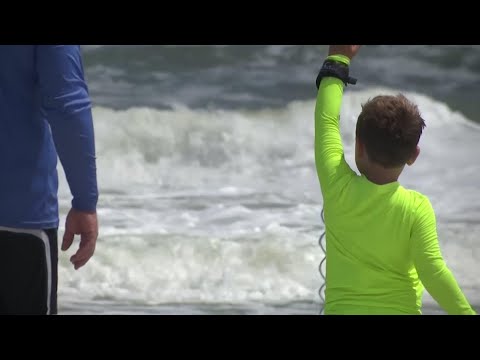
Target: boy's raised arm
(329, 156)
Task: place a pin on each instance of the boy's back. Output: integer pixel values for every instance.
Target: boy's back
(368, 232)
(381, 239)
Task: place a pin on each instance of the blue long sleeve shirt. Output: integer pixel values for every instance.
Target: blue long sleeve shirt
(45, 113)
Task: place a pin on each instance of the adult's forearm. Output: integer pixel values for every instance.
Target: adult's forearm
(74, 139)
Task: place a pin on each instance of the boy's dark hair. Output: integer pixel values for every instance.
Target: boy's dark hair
(390, 128)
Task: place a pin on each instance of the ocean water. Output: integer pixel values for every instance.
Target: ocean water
(209, 200)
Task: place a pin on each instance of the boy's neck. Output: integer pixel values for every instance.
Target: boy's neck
(379, 175)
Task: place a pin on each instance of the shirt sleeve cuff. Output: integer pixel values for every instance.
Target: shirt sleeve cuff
(340, 58)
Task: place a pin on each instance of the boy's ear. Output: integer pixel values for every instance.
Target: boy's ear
(414, 156)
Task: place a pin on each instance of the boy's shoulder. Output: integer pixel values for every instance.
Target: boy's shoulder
(414, 193)
(419, 199)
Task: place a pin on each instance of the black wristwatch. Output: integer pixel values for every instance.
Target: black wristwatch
(335, 69)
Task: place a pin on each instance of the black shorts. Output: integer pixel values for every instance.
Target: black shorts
(28, 272)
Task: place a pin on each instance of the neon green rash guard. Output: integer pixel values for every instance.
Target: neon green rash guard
(382, 242)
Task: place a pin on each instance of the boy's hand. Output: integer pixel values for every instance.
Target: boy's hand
(347, 50)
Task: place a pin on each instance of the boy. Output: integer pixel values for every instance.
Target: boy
(381, 238)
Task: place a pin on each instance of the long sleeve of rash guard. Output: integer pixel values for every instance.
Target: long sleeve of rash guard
(66, 101)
